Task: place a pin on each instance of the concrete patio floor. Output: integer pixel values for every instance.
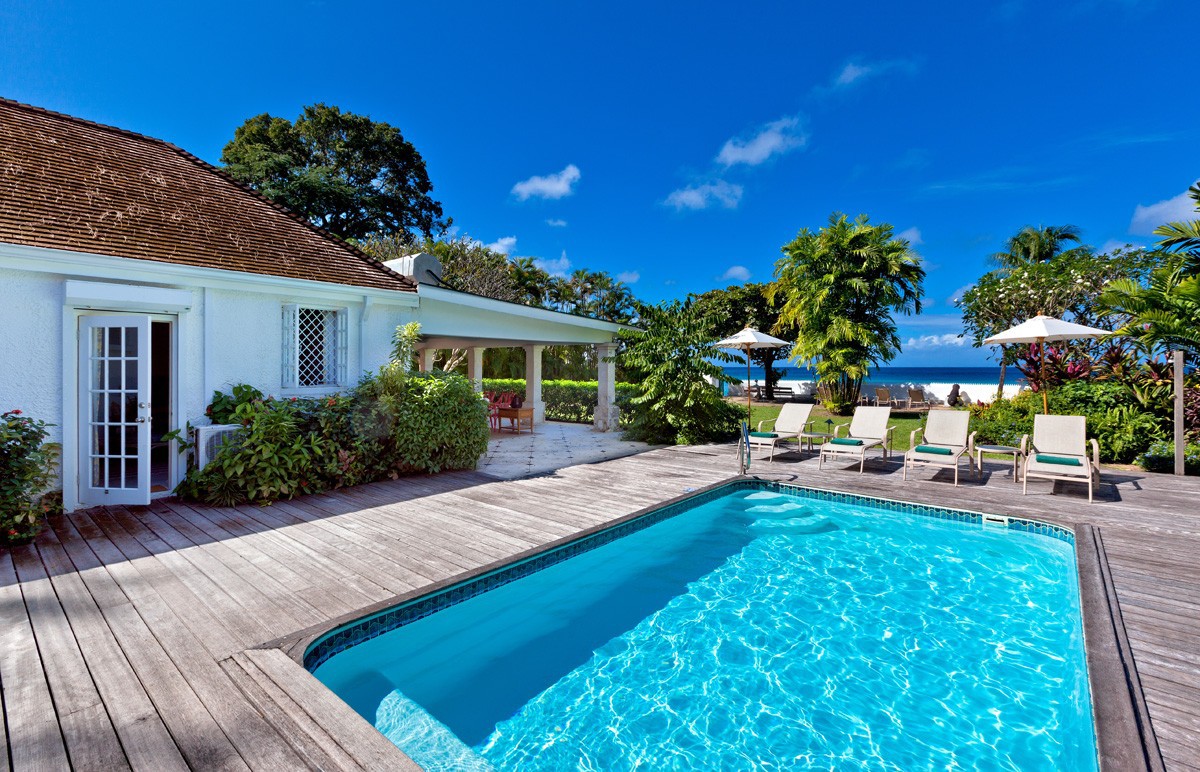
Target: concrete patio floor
(552, 446)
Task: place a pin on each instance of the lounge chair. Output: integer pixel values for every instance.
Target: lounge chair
(868, 429)
(1059, 451)
(916, 399)
(792, 424)
(883, 396)
(943, 442)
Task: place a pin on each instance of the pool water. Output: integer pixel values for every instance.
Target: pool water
(758, 629)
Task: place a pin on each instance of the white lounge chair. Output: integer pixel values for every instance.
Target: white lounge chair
(868, 429)
(943, 442)
(883, 396)
(1059, 451)
(916, 399)
(791, 424)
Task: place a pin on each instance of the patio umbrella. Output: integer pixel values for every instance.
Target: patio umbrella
(1041, 329)
(744, 341)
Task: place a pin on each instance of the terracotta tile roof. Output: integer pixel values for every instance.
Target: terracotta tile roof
(67, 183)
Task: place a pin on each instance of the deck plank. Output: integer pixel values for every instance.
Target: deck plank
(159, 611)
(35, 740)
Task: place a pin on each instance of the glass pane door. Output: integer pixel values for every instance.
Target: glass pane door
(114, 409)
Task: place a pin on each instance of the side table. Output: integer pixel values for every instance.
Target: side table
(1007, 450)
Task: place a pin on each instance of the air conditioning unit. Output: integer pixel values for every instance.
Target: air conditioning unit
(209, 440)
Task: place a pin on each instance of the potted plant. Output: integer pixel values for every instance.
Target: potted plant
(27, 466)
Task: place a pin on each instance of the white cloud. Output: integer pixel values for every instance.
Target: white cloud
(926, 342)
(548, 186)
(558, 267)
(1147, 218)
(774, 138)
(857, 72)
(556, 223)
(850, 73)
(1116, 245)
(911, 235)
(958, 293)
(505, 245)
(736, 273)
(705, 195)
(629, 277)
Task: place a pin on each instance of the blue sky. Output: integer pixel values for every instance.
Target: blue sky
(680, 145)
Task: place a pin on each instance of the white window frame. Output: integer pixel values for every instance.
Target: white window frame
(292, 344)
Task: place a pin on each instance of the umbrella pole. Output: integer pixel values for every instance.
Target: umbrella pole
(1045, 398)
(747, 387)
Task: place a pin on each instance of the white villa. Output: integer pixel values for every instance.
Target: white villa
(136, 280)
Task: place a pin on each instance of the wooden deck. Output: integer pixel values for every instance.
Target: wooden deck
(129, 637)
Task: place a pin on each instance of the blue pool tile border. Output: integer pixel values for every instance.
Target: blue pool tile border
(364, 629)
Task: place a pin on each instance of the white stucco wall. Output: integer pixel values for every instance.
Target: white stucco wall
(227, 336)
(31, 316)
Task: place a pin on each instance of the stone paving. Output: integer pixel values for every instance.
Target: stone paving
(553, 445)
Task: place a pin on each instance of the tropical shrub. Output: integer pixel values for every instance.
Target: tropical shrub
(1160, 457)
(393, 422)
(1124, 432)
(27, 467)
(570, 401)
(670, 359)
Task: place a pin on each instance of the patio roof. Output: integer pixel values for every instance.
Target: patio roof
(453, 319)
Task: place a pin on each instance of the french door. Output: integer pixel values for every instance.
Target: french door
(114, 409)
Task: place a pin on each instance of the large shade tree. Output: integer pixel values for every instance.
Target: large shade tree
(839, 289)
(746, 305)
(344, 172)
(1067, 285)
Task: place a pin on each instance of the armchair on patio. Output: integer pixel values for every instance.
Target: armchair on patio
(883, 396)
(1059, 451)
(867, 429)
(943, 442)
(792, 424)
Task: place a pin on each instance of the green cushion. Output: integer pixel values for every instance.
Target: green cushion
(767, 435)
(1043, 458)
(845, 441)
(933, 449)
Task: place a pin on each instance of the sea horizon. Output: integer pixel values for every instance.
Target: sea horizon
(890, 375)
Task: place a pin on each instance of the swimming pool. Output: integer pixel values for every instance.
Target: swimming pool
(759, 624)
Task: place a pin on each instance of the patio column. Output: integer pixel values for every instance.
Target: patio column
(607, 413)
(426, 359)
(475, 367)
(533, 382)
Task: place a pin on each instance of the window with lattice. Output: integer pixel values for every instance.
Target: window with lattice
(314, 347)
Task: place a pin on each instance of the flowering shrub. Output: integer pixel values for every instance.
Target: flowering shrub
(27, 466)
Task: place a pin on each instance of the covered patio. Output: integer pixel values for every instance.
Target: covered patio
(458, 320)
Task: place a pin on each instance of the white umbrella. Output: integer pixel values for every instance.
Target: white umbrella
(744, 341)
(1040, 329)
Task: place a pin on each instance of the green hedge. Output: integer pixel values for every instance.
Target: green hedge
(393, 423)
(571, 401)
(1160, 457)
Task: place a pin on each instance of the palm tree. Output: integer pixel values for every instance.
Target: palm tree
(1036, 245)
(839, 288)
(1166, 311)
(1183, 237)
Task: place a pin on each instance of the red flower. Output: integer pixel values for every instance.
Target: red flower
(11, 532)
(16, 412)
(295, 398)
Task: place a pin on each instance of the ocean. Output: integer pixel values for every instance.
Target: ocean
(891, 375)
